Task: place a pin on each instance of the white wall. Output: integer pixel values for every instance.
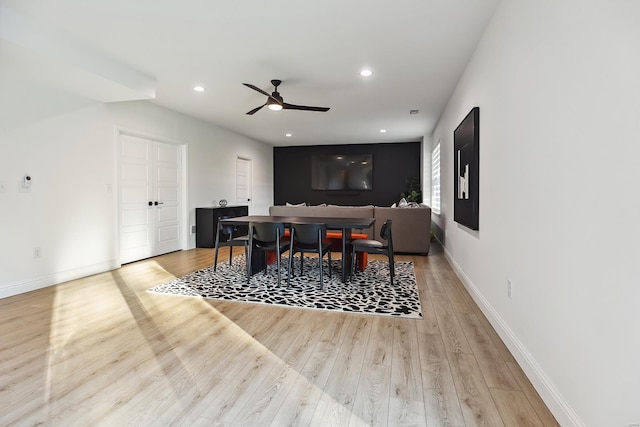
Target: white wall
(558, 87)
(71, 212)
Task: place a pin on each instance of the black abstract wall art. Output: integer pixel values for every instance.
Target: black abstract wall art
(466, 159)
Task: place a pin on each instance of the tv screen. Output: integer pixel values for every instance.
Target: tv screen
(342, 172)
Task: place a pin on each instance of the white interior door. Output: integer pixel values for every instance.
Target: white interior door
(243, 182)
(166, 184)
(150, 199)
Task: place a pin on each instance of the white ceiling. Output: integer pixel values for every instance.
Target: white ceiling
(118, 50)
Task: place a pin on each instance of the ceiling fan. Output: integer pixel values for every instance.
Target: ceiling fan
(276, 103)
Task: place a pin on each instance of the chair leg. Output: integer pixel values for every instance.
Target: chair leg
(278, 264)
(320, 262)
(249, 263)
(215, 259)
(392, 268)
(329, 259)
(301, 262)
(290, 269)
(353, 262)
(266, 266)
(246, 258)
(230, 254)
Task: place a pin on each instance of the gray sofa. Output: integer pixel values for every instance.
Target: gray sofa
(411, 226)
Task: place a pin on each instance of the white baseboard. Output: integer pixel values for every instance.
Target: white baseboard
(557, 404)
(11, 289)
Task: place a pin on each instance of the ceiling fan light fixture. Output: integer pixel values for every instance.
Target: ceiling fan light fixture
(272, 104)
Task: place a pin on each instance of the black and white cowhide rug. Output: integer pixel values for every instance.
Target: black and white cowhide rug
(368, 292)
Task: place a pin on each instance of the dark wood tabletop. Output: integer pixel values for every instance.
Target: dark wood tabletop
(331, 222)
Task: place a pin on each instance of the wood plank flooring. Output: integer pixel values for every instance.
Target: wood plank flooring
(101, 351)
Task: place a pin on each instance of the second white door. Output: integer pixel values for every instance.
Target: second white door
(243, 182)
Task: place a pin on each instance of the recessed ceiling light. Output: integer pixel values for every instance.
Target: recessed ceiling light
(366, 72)
(383, 130)
(287, 134)
(199, 89)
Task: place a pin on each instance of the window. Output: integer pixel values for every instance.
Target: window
(435, 179)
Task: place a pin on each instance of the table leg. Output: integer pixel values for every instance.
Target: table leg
(346, 254)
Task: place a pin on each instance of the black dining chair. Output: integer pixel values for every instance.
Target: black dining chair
(232, 239)
(376, 247)
(266, 236)
(309, 238)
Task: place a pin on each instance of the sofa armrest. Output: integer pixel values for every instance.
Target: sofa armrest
(411, 229)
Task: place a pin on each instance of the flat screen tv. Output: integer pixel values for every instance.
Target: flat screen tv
(342, 172)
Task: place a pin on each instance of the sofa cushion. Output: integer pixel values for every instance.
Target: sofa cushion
(411, 226)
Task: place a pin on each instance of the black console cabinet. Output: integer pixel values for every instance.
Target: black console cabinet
(207, 223)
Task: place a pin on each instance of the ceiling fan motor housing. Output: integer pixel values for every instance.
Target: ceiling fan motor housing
(277, 96)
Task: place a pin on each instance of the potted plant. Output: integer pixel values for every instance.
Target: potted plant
(413, 193)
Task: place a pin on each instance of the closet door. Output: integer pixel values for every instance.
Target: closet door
(243, 182)
(149, 189)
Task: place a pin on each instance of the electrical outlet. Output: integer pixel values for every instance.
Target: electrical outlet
(193, 229)
(37, 253)
(509, 288)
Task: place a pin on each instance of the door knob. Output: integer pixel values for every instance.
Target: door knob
(150, 203)
(159, 203)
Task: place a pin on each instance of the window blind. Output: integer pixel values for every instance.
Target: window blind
(435, 179)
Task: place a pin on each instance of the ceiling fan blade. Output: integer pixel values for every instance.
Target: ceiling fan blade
(303, 107)
(270, 96)
(255, 110)
(257, 89)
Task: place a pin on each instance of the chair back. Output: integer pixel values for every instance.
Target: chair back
(228, 229)
(309, 234)
(266, 232)
(385, 233)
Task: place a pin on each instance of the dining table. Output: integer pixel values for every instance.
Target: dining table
(345, 225)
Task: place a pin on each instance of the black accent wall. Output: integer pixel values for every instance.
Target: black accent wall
(393, 164)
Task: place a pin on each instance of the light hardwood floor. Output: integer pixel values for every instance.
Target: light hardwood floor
(101, 351)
